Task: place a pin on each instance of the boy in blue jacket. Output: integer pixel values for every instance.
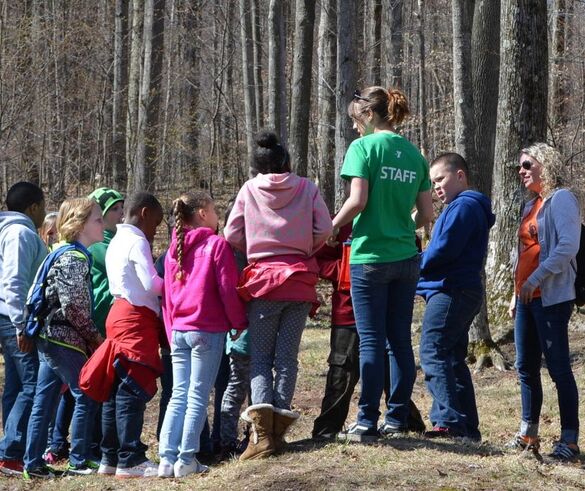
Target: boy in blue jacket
(450, 282)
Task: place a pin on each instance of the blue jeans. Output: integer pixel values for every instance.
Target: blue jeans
(383, 300)
(166, 384)
(59, 365)
(544, 330)
(443, 349)
(59, 430)
(20, 380)
(196, 358)
(122, 421)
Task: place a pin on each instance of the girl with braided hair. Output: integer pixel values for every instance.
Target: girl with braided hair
(200, 305)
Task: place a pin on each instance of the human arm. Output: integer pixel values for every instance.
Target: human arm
(141, 257)
(424, 209)
(235, 228)
(322, 226)
(353, 206)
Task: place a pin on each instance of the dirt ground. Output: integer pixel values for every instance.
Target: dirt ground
(412, 462)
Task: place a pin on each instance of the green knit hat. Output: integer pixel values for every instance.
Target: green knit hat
(106, 198)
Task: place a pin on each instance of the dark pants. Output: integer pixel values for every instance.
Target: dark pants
(544, 330)
(343, 375)
(443, 349)
(122, 421)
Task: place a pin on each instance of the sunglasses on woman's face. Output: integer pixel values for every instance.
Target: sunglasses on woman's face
(527, 165)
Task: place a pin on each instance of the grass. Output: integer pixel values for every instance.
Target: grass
(403, 463)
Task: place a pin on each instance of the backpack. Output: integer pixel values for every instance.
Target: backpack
(580, 278)
(37, 313)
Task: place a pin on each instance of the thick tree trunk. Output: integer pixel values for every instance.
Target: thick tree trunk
(301, 85)
(393, 42)
(257, 55)
(422, 91)
(248, 74)
(521, 120)
(372, 44)
(327, 52)
(120, 82)
(346, 84)
(277, 113)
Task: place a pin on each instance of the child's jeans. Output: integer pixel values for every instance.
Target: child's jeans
(196, 357)
(234, 396)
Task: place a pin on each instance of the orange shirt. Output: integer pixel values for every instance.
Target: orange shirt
(529, 248)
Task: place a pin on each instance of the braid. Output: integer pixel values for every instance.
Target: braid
(178, 211)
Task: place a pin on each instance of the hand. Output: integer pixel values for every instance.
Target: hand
(512, 307)
(234, 334)
(332, 239)
(527, 292)
(25, 344)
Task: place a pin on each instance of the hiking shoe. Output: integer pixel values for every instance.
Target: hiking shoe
(44, 472)
(563, 452)
(388, 430)
(165, 468)
(11, 467)
(194, 467)
(146, 469)
(106, 470)
(524, 443)
(358, 433)
(85, 469)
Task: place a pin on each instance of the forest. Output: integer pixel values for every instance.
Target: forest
(167, 95)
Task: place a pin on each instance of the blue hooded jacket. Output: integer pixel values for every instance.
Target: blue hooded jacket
(458, 247)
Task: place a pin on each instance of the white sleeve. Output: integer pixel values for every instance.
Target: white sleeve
(141, 256)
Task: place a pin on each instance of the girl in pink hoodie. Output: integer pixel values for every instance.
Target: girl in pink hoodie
(279, 220)
(200, 305)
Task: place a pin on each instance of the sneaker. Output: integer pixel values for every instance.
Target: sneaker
(388, 430)
(11, 467)
(165, 468)
(195, 467)
(563, 452)
(106, 470)
(44, 472)
(85, 469)
(146, 469)
(524, 443)
(358, 433)
(52, 456)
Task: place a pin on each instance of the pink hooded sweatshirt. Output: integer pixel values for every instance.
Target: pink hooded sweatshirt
(206, 298)
(276, 215)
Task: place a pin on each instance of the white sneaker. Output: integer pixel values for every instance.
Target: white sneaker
(165, 468)
(195, 467)
(146, 469)
(106, 470)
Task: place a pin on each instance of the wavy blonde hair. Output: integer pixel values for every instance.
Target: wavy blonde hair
(72, 217)
(554, 170)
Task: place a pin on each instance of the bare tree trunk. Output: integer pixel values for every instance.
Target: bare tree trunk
(372, 45)
(521, 120)
(120, 69)
(422, 91)
(393, 45)
(346, 83)
(277, 113)
(133, 91)
(326, 99)
(301, 85)
(257, 54)
(248, 75)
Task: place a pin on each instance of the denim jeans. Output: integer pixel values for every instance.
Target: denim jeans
(443, 349)
(383, 300)
(275, 334)
(59, 365)
(20, 380)
(122, 421)
(166, 384)
(59, 430)
(238, 388)
(544, 330)
(196, 358)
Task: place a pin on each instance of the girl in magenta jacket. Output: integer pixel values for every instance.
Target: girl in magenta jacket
(279, 220)
(200, 305)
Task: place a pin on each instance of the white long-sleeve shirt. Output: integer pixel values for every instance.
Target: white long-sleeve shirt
(130, 269)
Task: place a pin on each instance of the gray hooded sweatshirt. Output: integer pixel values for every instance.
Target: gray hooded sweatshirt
(21, 253)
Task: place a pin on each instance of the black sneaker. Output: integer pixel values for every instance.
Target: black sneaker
(44, 472)
(562, 452)
(358, 433)
(85, 469)
(388, 430)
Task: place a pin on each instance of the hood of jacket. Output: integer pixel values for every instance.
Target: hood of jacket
(275, 190)
(193, 237)
(483, 200)
(8, 218)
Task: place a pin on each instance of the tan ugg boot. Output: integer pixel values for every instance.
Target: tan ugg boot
(283, 419)
(261, 444)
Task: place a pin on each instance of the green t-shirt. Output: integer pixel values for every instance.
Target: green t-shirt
(396, 172)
